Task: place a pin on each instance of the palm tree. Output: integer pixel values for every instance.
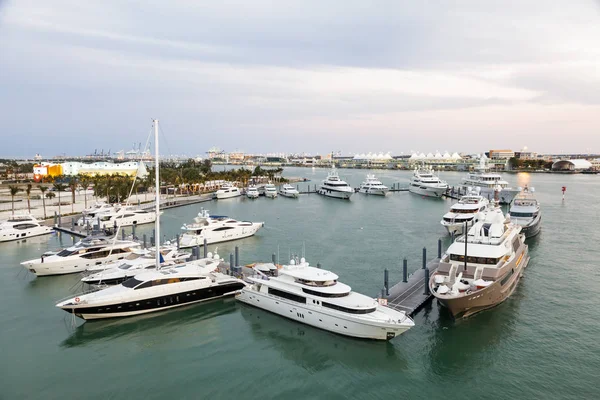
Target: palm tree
(43, 190)
(50, 196)
(28, 191)
(73, 187)
(14, 189)
(84, 181)
(59, 188)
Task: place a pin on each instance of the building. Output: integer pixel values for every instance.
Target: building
(571, 165)
(501, 154)
(73, 168)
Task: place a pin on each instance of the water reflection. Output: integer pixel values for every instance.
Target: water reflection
(318, 350)
(180, 319)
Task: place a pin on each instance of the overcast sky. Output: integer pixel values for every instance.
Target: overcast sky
(313, 76)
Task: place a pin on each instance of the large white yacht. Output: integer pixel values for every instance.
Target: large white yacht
(228, 191)
(372, 185)
(20, 227)
(333, 186)
(288, 190)
(270, 190)
(464, 211)
(424, 182)
(315, 297)
(216, 229)
(121, 216)
(252, 192)
(93, 250)
(481, 269)
(491, 184)
(525, 211)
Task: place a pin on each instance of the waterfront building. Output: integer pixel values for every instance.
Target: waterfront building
(73, 168)
(576, 165)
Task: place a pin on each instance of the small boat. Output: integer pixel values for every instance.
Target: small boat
(288, 190)
(228, 191)
(372, 185)
(270, 190)
(334, 187)
(20, 227)
(426, 183)
(525, 212)
(252, 192)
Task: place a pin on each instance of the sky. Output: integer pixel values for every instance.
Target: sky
(299, 76)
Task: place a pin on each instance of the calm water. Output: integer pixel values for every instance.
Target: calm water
(541, 343)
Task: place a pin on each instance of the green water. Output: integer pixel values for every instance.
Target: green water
(541, 343)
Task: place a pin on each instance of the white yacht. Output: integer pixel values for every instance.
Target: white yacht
(315, 297)
(288, 190)
(122, 216)
(464, 211)
(270, 190)
(372, 185)
(216, 229)
(525, 212)
(491, 184)
(99, 206)
(93, 250)
(424, 182)
(252, 192)
(122, 270)
(228, 191)
(333, 186)
(481, 269)
(20, 227)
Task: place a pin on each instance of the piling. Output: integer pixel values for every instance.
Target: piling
(193, 253)
(99, 226)
(439, 248)
(318, 265)
(197, 251)
(55, 217)
(115, 226)
(424, 258)
(383, 293)
(123, 234)
(205, 248)
(404, 270)
(426, 282)
(87, 228)
(152, 241)
(177, 238)
(59, 220)
(144, 240)
(133, 230)
(386, 281)
(231, 266)
(72, 223)
(237, 256)
(273, 258)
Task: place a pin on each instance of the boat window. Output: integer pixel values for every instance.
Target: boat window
(224, 228)
(286, 295)
(521, 215)
(24, 226)
(321, 294)
(507, 277)
(64, 253)
(315, 283)
(474, 260)
(348, 310)
(131, 283)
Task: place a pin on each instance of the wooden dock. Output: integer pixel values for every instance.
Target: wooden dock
(411, 295)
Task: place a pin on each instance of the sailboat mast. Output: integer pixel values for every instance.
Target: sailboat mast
(157, 195)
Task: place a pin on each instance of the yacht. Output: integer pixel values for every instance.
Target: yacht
(464, 211)
(525, 211)
(333, 186)
(270, 190)
(425, 183)
(20, 227)
(99, 206)
(122, 270)
(288, 190)
(372, 185)
(228, 191)
(122, 216)
(314, 296)
(481, 269)
(93, 250)
(252, 192)
(216, 229)
(491, 184)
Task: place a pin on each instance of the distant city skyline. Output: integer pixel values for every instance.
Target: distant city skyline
(299, 76)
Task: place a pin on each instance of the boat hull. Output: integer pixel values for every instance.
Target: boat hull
(222, 196)
(14, 234)
(290, 195)
(436, 192)
(190, 240)
(40, 268)
(456, 228)
(505, 196)
(533, 228)
(376, 192)
(334, 194)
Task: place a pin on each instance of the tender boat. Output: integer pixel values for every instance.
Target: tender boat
(252, 192)
(315, 297)
(270, 190)
(372, 185)
(216, 229)
(491, 185)
(20, 227)
(464, 211)
(228, 191)
(333, 186)
(481, 269)
(424, 182)
(288, 190)
(93, 250)
(525, 212)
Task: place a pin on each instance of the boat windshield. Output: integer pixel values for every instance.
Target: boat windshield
(131, 283)
(315, 283)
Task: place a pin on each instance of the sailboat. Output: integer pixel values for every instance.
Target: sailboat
(159, 289)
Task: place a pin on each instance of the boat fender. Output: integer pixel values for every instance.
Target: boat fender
(77, 299)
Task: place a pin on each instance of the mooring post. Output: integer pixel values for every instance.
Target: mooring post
(386, 281)
(440, 249)
(198, 251)
(319, 265)
(145, 240)
(133, 230)
(59, 220)
(273, 258)
(72, 223)
(205, 248)
(237, 256)
(152, 241)
(115, 226)
(193, 253)
(178, 240)
(123, 234)
(231, 266)
(426, 291)
(55, 217)
(383, 293)
(424, 258)
(87, 227)
(99, 226)
(404, 270)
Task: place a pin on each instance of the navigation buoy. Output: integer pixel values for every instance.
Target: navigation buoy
(564, 189)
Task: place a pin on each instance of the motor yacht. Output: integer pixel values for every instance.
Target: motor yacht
(252, 192)
(372, 185)
(315, 297)
(228, 191)
(270, 190)
(481, 269)
(525, 212)
(333, 186)
(122, 270)
(20, 227)
(288, 190)
(491, 184)
(424, 182)
(216, 229)
(464, 211)
(121, 216)
(93, 250)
